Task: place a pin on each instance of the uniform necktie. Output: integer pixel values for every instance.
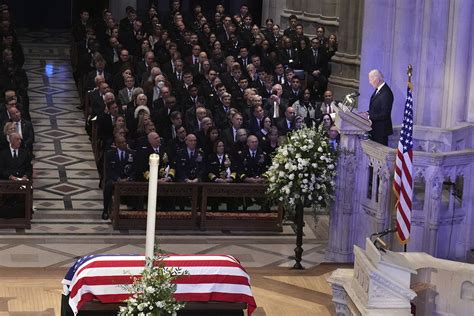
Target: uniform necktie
(15, 156)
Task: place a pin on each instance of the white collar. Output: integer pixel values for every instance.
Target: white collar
(380, 87)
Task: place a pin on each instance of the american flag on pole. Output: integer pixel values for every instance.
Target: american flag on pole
(212, 278)
(403, 178)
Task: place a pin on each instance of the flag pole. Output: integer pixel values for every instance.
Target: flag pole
(410, 86)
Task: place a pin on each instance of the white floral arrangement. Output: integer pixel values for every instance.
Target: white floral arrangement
(303, 170)
(153, 290)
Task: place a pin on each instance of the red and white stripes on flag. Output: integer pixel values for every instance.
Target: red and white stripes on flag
(403, 178)
(217, 278)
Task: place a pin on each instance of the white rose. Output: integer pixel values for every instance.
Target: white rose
(320, 149)
(291, 176)
(331, 166)
(320, 198)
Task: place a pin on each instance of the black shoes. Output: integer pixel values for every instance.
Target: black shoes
(105, 215)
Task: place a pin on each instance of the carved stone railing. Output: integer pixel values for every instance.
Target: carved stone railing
(443, 200)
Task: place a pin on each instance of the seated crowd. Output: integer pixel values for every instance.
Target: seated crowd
(17, 137)
(212, 95)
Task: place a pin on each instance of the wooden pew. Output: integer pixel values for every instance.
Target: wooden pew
(261, 218)
(172, 213)
(15, 197)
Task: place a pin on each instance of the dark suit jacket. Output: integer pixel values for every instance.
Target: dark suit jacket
(380, 111)
(15, 167)
(282, 126)
(227, 135)
(28, 135)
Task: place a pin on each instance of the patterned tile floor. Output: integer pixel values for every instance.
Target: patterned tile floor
(68, 201)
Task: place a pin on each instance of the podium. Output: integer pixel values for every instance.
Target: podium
(379, 284)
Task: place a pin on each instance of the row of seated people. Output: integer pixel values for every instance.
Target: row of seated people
(17, 133)
(229, 100)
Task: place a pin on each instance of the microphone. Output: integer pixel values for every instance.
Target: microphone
(384, 232)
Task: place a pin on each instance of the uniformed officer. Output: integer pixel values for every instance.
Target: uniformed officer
(166, 172)
(190, 161)
(219, 165)
(119, 166)
(253, 162)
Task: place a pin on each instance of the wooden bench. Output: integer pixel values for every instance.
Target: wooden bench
(263, 217)
(172, 213)
(16, 201)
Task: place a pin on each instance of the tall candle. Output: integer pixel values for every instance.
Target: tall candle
(154, 161)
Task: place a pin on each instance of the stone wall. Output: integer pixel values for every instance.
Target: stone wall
(343, 18)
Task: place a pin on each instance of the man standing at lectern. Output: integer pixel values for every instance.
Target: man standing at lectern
(380, 108)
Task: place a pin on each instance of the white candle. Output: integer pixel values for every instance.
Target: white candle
(154, 161)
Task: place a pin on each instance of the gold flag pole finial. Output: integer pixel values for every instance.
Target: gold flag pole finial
(410, 74)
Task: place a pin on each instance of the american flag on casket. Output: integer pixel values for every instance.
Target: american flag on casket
(212, 278)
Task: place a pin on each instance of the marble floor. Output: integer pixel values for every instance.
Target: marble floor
(68, 201)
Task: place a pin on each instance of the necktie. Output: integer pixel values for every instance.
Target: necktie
(289, 53)
(129, 94)
(253, 154)
(122, 156)
(328, 110)
(220, 160)
(157, 150)
(179, 76)
(191, 154)
(15, 156)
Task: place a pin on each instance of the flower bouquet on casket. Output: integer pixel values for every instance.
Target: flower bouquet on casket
(303, 171)
(153, 290)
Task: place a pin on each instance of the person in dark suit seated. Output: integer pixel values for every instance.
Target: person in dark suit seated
(165, 172)
(24, 128)
(119, 166)
(15, 165)
(229, 135)
(380, 108)
(272, 141)
(255, 124)
(334, 137)
(15, 161)
(253, 163)
(286, 124)
(178, 144)
(106, 122)
(190, 162)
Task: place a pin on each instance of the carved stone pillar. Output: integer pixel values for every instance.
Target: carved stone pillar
(340, 245)
(433, 36)
(346, 63)
(342, 214)
(433, 189)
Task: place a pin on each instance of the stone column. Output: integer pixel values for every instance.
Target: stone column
(433, 36)
(340, 244)
(458, 63)
(117, 7)
(346, 63)
(272, 9)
